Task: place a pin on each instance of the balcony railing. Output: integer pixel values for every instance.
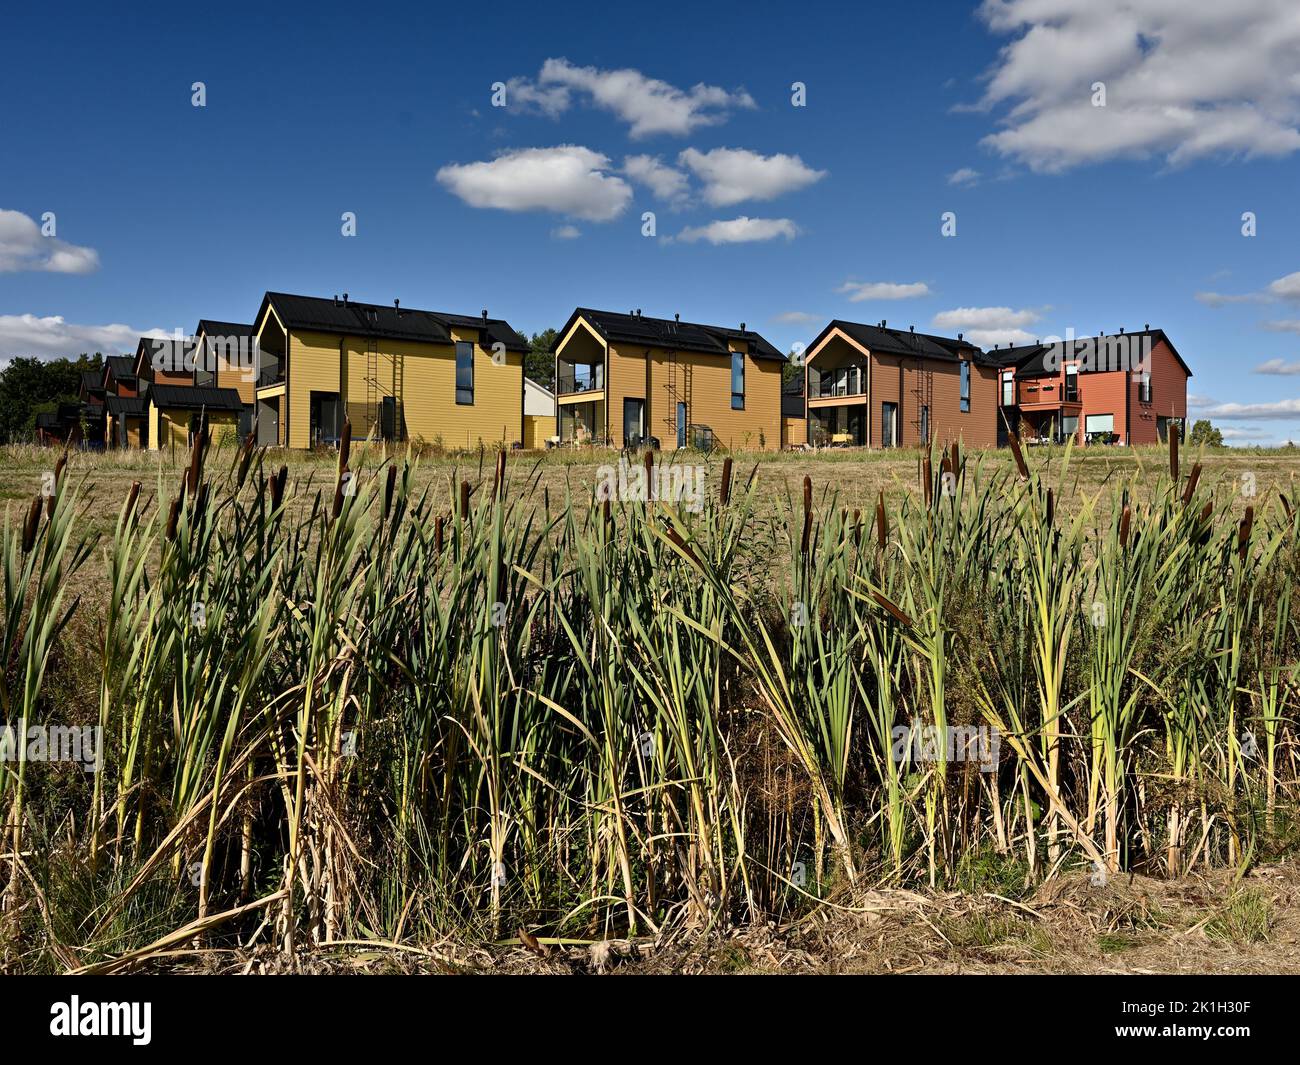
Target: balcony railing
(270, 375)
(592, 380)
(832, 384)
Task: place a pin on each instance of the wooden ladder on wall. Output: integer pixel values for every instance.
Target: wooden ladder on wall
(923, 392)
(678, 370)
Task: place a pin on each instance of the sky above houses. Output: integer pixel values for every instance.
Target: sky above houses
(1010, 170)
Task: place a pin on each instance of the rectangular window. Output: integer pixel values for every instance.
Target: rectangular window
(1008, 390)
(965, 386)
(737, 380)
(464, 372)
(925, 425)
(1144, 388)
(888, 424)
(633, 422)
(1071, 384)
(1099, 428)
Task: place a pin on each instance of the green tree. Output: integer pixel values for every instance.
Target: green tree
(29, 386)
(1205, 433)
(539, 363)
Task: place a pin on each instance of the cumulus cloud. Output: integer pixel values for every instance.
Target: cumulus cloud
(1284, 288)
(987, 326)
(1282, 408)
(742, 230)
(857, 291)
(23, 248)
(53, 337)
(1278, 368)
(569, 180)
(646, 104)
(566, 232)
(794, 318)
(733, 175)
(1219, 299)
(964, 177)
(1182, 80)
(1283, 325)
(665, 182)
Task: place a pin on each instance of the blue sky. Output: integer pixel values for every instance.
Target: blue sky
(1068, 215)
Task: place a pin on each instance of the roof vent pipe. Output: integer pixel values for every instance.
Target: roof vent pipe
(345, 299)
(336, 299)
(882, 323)
(742, 327)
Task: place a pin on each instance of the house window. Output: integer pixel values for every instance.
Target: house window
(464, 372)
(965, 386)
(1144, 388)
(737, 380)
(1008, 390)
(925, 425)
(1071, 384)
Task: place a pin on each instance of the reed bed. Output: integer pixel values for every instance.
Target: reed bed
(366, 711)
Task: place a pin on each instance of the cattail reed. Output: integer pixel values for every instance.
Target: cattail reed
(882, 524)
(464, 500)
(390, 486)
(806, 540)
(1190, 489)
(31, 525)
(1014, 440)
(724, 491)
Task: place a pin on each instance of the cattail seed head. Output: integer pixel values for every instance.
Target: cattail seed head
(31, 525)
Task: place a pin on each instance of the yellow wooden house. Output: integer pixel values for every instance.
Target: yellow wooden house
(625, 380)
(395, 372)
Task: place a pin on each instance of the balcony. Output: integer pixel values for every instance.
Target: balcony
(837, 382)
(575, 379)
(270, 376)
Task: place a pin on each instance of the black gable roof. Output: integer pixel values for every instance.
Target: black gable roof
(1031, 360)
(195, 397)
(127, 406)
(123, 366)
(905, 342)
(669, 333)
(211, 328)
(377, 320)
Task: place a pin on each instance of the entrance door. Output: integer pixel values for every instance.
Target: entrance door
(889, 425)
(633, 422)
(681, 424)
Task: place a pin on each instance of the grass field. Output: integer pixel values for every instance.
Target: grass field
(458, 711)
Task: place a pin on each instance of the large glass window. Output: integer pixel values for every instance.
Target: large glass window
(1008, 390)
(737, 380)
(965, 386)
(1071, 384)
(1144, 388)
(464, 372)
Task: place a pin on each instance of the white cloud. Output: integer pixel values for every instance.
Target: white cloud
(569, 180)
(667, 183)
(1183, 80)
(1278, 368)
(794, 318)
(566, 232)
(857, 291)
(23, 248)
(647, 105)
(965, 177)
(1231, 433)
(742, 230)
(1286, 288)
(733, 175)
(985, 318)
(52, 337)
(1284, 325)
(1282, 408)
(1220, 299)
(987, 326)
(1195, 400)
